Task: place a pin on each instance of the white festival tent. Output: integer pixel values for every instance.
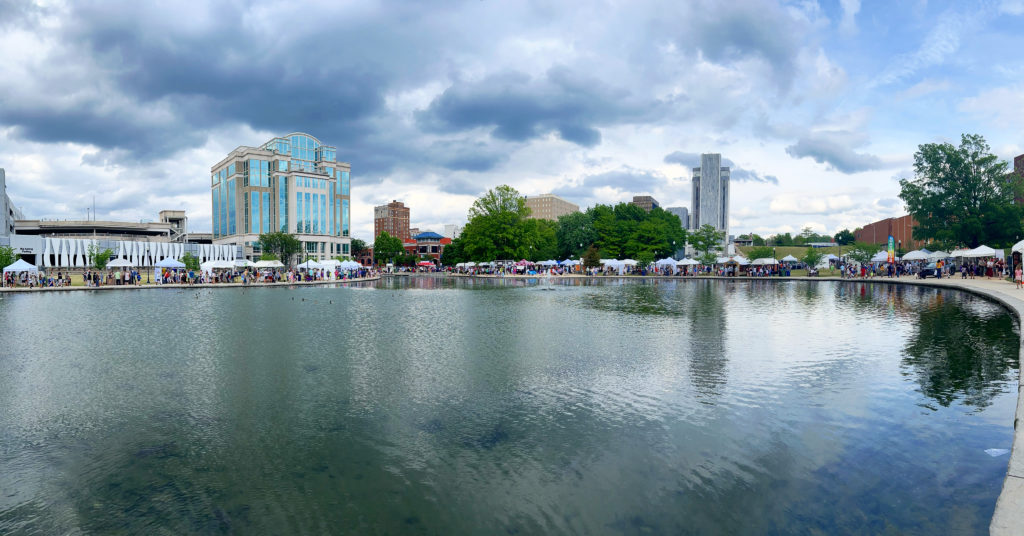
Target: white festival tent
(981, 251)
(569, 262)
(765, 261)
(881, 256)
(830, 257)
(21, 266)
(935, 255)
(668, 262)
(958, 253)
(244, 262)
(310, 265)
(548, 263)
(210, 266)
(790, 258)
(350, 265)
(1018, 247)
(470, 264)
(687, 262)
(169, 263)
(916, 255)
(628, 262)
(269, 264)
(331, 263)
(119, 263)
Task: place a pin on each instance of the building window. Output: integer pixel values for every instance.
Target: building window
(282, 209)
(307, 223)
(231, 207)
(344, 217)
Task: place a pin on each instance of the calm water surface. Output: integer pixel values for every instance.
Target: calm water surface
(432, 406)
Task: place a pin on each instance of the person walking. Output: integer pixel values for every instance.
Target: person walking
(1017, 276)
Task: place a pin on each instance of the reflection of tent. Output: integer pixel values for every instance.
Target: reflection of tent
(916, 255)
(119, 263)
(169, 263)
(21, 266)
(269, 264)
(790, 258)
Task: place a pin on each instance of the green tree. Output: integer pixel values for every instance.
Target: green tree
(97, 258)
(844, 237)
(497, 228)
(283, 245)
(268, 257)
(761, 252)
(387, 248)
(191, 261)
(500, 201)
(8, 256)
(358, 247)
(707, 258)
(758, 240)
(812, 257)
(591, 258)
(575, 234)
(707, 241)
(453, 253)
(645, 259)
(861, 252)
(960, 195)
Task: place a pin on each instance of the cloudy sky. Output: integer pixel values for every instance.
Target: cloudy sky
(818, 105)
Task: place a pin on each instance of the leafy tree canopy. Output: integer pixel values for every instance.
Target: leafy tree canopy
(283, 245)
(387, 248)
(191, 261)
(961, 195)
(707, 241)
(8, 256)
(844, 237)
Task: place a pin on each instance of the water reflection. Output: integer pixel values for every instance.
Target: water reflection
(958, 350)
(708, 359)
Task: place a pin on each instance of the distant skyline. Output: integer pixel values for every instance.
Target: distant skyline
(817, 106)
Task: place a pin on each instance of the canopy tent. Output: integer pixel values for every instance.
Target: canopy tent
(120, 263)
(210, 266)
(331, 263)
(349, 265)
(269, 264)
(485, 264)
(21, 266)
(935, 255)
(169, 263)
(916, 255)
(548, 263)
(790, 258)
(765, 261)
(957, 253)
(244, 262)
(628, 262)
(687, 262)
(881, 256)
(981, 251)
(311, 265)
(424, 263)
(667, 261)
(469, 264)
(830, 257)
(523, 262)
(569, 262)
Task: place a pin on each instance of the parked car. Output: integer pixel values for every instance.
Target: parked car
(930, 271)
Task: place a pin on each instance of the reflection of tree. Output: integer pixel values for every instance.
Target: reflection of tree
(707, 353)
(961, 352)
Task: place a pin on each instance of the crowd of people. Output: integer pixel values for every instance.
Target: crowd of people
(166, 276)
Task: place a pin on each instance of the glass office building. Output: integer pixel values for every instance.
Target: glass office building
(292, 184)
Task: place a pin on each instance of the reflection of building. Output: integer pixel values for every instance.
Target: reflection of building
(901, 229)
(645, 202)
(710, 196)
(8, 213)
(393, 219)
(549, 206)
(431, 244)
(684, 215)
(292, 184)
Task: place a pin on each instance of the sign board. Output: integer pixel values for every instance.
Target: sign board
(892, 250)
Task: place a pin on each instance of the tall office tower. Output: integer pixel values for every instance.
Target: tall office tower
(292, 184)
(393, 219)
(710, 198)
(683, 213)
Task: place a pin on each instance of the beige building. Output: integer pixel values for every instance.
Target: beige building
(549, 206)
(293, 184)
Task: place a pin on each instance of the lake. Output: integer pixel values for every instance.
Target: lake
(429, 405)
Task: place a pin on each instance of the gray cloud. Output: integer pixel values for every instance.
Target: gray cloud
(683, 159)
(517, 107)
(836, 151)
(744, 175)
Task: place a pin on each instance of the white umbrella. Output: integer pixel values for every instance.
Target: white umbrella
(21, 266)
(119, 263)
(269, 264)
(916, 255)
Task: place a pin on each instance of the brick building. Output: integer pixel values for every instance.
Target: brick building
(900, 228)
(392, 218)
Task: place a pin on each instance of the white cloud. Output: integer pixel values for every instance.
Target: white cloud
(1012, 7)
(848, 24)
(1002, 105)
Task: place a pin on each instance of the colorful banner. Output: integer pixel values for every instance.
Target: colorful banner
(892, 250)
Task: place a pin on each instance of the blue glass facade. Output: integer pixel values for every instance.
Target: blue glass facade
(282, 208)
(344, 217)
(231, 206)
